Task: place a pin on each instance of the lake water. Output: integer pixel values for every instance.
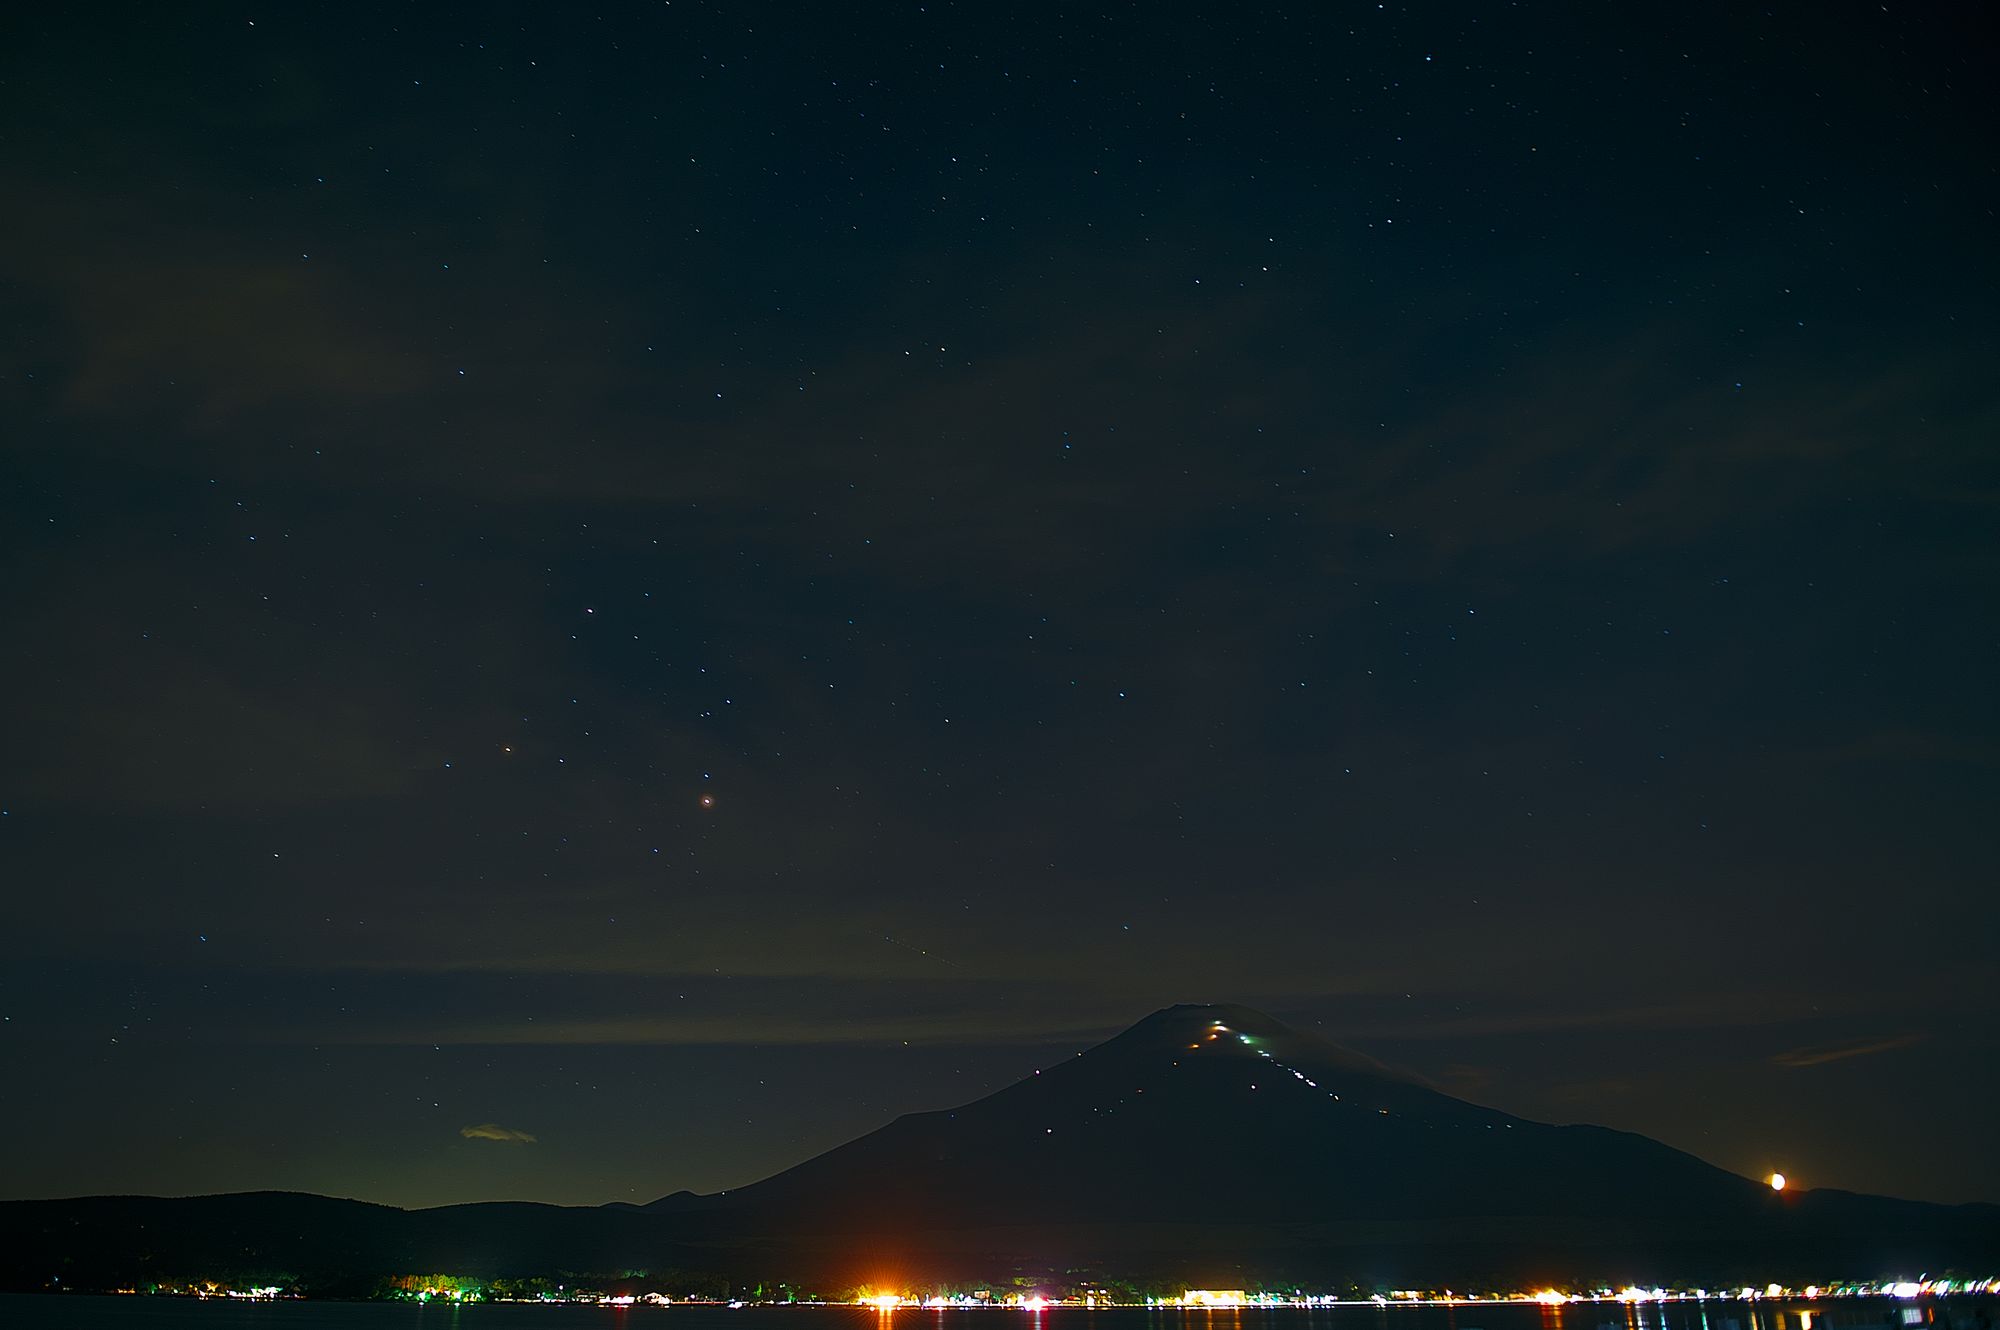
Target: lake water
(57, 1312)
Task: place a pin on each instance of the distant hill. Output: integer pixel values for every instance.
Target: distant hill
(334, 1246)
(1207, 1143)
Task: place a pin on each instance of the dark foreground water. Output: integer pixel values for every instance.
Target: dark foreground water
(62, 1312)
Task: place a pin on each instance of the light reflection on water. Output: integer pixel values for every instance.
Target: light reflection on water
(33, 1312)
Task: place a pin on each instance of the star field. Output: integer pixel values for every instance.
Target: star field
(679, 582)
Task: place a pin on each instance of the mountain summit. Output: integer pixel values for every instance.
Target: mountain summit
(1224, 1113)
(1216, 1138)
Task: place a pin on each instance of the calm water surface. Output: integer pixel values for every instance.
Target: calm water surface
(52, 1312)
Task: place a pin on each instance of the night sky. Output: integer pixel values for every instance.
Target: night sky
(682, 579)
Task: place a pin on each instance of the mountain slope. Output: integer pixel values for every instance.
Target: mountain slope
(1225, 1113)
(1215, 1140)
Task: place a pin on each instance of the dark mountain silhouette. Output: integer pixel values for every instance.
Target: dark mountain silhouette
(1217, 1141)
(1204, 1143)
(1222, 1112)
(332, 1246)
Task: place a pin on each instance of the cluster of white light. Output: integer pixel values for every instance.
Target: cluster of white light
(1549, 1297)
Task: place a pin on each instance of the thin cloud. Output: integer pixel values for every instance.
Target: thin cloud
(766, 1030)
(1818, 1056)
(493, 1131)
